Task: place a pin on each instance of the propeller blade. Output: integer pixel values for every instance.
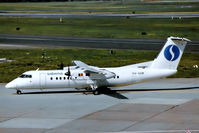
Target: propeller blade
(69, 74)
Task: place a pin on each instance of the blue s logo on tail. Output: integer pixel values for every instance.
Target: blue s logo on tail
(171, 52)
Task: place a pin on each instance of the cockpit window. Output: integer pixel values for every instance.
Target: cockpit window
(25, 76)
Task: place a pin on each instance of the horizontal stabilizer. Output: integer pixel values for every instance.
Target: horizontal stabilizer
(180, 39)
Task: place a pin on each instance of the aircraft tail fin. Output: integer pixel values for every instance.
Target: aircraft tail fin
(170, 55)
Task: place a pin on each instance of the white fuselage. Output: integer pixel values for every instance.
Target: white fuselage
(46, 79)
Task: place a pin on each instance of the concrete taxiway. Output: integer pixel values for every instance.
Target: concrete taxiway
(173, 107)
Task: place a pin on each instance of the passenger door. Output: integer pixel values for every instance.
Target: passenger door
(42, 80)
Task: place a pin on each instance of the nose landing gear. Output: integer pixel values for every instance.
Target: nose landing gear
(18, 92)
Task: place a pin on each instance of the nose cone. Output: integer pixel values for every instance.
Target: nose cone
(11, 85)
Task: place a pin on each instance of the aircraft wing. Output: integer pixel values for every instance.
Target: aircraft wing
(102, 73)
(85, 66)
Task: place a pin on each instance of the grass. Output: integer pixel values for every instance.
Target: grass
(103, 27)
(31, 59)
(93, 6)
(96, 27)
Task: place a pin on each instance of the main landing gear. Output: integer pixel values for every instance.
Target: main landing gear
(90, 90)
(103, 90)
(18, 92)
(94, 89)
(96, 92)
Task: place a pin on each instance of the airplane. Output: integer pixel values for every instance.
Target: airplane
(94, 78)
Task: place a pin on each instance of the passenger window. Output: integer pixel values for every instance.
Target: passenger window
(60, 78)
(56, 78)
(118, 77)
(64, 78)
(51, 78)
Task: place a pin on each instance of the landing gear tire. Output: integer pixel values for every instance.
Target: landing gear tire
(85, 93)
(18, 92)
(96, 92)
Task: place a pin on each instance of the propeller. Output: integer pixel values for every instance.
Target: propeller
(68, 73)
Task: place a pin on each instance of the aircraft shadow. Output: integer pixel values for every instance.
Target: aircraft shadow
(53, 92)
(162, 89)
(112, 93)
(108, 92)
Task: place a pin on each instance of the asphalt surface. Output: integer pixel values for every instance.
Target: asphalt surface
(30, 41)
(174, 111)
(63, 15)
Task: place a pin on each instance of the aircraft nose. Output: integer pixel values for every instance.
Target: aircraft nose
(11, 85)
